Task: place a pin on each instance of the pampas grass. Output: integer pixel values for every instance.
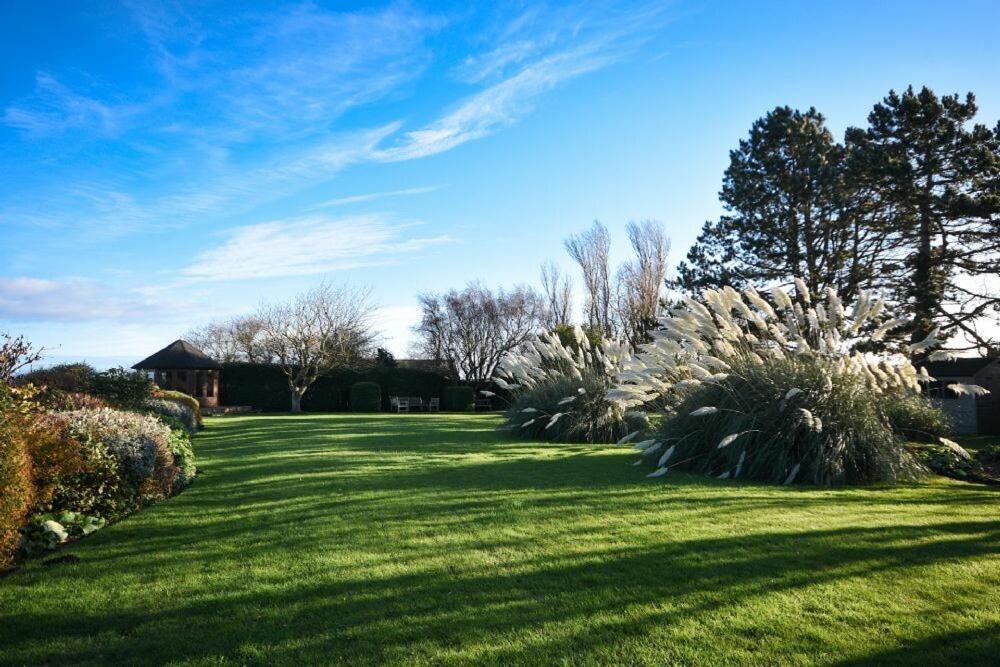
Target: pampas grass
(774, 391)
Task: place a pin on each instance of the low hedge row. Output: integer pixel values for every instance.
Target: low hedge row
(366, 397)
(264, 387)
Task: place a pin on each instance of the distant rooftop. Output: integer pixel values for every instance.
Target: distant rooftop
(180, 355)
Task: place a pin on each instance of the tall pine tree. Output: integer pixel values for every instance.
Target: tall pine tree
(936, 180)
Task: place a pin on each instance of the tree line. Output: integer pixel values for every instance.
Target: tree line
(908, 206)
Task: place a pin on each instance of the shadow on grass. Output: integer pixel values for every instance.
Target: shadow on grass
(368, 539)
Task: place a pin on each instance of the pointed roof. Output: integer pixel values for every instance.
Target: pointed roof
(180, 355)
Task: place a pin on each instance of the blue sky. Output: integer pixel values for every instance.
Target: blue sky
(164, 164)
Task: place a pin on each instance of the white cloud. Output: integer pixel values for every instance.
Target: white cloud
(54, 108)
(71, 299)
(395, 323)
(306, 246)
(372, 196)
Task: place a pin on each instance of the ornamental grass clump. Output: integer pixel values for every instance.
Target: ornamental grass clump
(773, 390)
(558, 390)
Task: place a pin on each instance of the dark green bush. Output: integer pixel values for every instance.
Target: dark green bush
(122, 388)
(917, 419)
(459, 398)
(366, 397)
(74, 378)
(264, 387)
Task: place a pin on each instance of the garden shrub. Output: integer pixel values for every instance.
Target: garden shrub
(183, 457)
(64, 401)
(122, 388)
(774, 393)
(558, 384)
(16, 487)
(71, 378)
(182, 398)
(132, 438)
(366, 397)
(916, 418)
(176, 410)
(948, 458)
(45, 532)
(458, 398)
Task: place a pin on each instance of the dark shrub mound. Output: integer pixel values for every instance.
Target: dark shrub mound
(366, 397)
(459, 399)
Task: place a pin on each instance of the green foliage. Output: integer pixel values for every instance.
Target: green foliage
(184, 399)
(176, 410)
(384, 357)
(786, 421)
(458, 398)
(45, 532)
(74, 378)
(122, 388)
(947, 458)
(588, 417)
(264, 387)
(915, 418)
(365, 397)
(182, 450)
(16, 487)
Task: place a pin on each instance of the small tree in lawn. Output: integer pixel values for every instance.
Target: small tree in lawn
(317, 331)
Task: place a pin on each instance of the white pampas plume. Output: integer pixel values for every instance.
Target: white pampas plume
(942, 355)
(793, 474)
(730, 439)
(568, 399)
(528, 423)
(781, 298)
(957, 448)
(554, 419)
(792, 393)
(530, 410)
(970, 389)
(581, 391)
(888, 326)
(705, 411)
(666, 456)
(627, 438)
(800, 287)
(659, 472)
(641, 446)
(724, 475)
(928, 342)
(638, 463)
(486, 393)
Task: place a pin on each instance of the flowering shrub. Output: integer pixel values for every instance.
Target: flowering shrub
(559, 390)
(773, 393)
(133, 439)
(183, 399)
(16, 487)
(175, 410)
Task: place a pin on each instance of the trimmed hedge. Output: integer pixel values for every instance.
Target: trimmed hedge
(264, 387)
(366, 397)
(459, 399)
(183, 399)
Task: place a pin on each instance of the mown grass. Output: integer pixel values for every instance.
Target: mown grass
(428, 538)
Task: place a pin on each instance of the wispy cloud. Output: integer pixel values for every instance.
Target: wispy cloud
(71, 299)
(54, 108)
(372, 196)
(307, 246)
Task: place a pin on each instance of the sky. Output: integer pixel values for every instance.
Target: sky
(165, 164)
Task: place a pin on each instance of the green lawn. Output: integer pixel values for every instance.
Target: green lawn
(428, 538)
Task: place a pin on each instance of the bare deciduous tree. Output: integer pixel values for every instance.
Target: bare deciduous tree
(317, 331)
(641, 281)
(235, 339)
(590, 250)
(558, 295)
(474, 328)
(16, 353)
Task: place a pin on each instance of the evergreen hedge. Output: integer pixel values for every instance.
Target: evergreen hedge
(366, 397)
(264, 387)
(458, 398)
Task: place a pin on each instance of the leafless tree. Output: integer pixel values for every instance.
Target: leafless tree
(317, 331)
(472, 329)
(16, 353)
(590, 249)
(641, 281)
(236, 339)
(558, 295)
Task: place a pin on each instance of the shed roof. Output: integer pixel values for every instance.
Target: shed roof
(961, 367)
(180, 355)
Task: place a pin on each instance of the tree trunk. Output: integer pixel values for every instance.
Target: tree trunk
(296, 401)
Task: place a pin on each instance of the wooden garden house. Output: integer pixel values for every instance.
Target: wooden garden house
(181, 366)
